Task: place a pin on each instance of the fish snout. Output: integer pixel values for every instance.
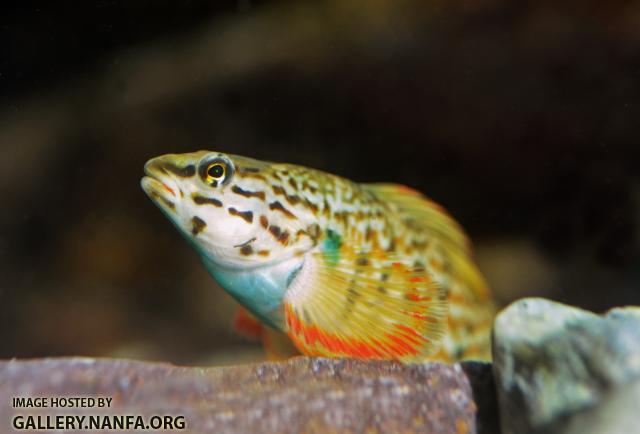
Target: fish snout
(158, 180)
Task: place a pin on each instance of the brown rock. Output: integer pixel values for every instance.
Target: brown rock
(302, 395)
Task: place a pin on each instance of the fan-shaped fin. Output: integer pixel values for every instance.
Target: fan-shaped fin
(364, 305)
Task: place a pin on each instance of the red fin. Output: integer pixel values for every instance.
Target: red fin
(247, 325)
(318, 342)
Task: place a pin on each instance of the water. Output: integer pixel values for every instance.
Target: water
(522, 122)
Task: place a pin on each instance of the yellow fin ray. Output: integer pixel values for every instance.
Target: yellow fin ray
(386, 309)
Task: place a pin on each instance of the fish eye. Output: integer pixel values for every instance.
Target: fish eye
(215, 172)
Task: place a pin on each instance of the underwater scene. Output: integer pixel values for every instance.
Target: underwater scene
(387, 216)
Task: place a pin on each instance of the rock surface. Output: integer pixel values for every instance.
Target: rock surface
(300, 395)
(557, 367)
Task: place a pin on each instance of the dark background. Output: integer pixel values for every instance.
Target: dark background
(520, 117)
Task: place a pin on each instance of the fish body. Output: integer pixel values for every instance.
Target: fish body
(372, 271)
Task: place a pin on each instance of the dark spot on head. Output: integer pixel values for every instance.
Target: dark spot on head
(381, 290)
(197, 225)
(183, 172)
(264, 221)
(277, 206)
(293, 183)
(248, 170)
(312, 206)
(263, 252)
(284, 237)
(275, 230)
(247, 193)
(246, 250)
(277, 190)
(307, 186)
(279, 234)
(384, 277)
(245, 215)
(201, 200)
(293, 199)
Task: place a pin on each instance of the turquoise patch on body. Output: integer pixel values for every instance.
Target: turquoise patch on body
(260, 290)
(331, 248)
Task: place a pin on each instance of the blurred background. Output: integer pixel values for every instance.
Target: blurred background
(521, 118)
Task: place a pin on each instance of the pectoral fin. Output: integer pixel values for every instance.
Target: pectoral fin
(369, 305)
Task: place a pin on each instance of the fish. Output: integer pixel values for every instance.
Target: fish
(336, 268)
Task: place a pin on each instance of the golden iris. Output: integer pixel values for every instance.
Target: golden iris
(216, 171)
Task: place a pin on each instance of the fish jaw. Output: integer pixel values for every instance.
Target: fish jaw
(160, 187)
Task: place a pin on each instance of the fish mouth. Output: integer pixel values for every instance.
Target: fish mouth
(159, 186)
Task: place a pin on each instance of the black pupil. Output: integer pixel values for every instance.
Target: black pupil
(216, 171)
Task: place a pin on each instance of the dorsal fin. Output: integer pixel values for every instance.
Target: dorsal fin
(424, 211)
(436, 220)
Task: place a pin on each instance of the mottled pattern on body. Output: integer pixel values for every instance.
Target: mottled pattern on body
(344, 269)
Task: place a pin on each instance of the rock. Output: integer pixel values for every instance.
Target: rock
(557, 365)
(300, 395)
(616, 414)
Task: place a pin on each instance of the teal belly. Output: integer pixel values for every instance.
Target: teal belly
(260, 290)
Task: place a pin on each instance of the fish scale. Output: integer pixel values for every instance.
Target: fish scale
(340, 269)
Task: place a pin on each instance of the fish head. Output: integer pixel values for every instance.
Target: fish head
(223, 204)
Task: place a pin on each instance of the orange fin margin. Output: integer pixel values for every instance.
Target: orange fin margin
(406, 342)
(349, 311)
